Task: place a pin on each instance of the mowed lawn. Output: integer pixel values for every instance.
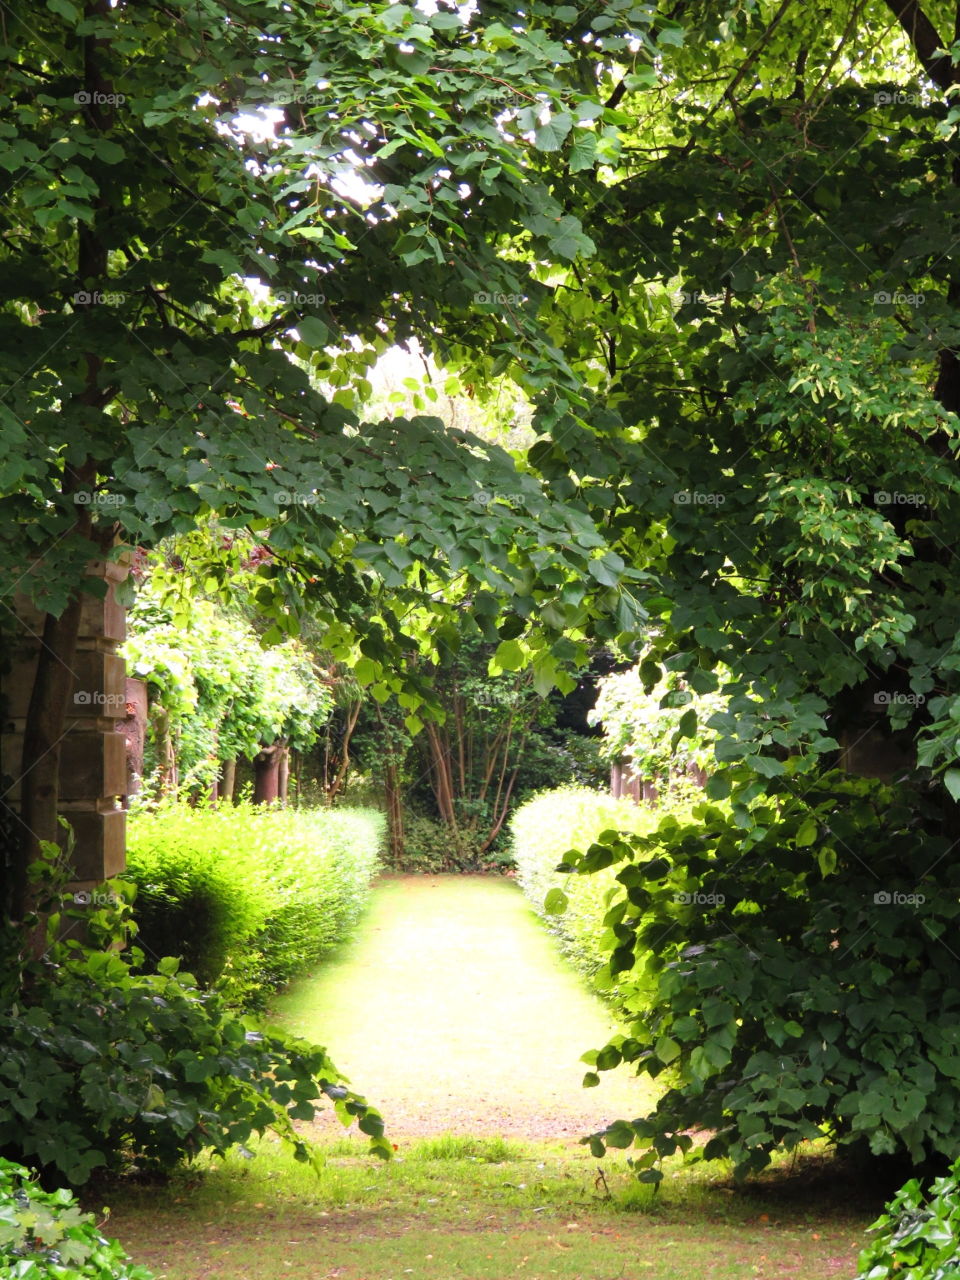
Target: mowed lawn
(452, 1010)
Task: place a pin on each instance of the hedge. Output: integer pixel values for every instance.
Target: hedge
(543, 829)
(248, 897)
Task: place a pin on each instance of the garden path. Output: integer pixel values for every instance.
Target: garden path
(452, 1011)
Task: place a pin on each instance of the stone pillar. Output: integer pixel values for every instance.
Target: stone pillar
(93, 774)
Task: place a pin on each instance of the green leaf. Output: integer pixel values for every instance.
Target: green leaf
(551, 135)
(555, 903)
(313, 331)
(807, 833)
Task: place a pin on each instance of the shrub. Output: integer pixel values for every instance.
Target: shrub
(543, 830)
(45, 1236)
(101, 1065)
(430, 846)
(918, 1237)
(246, 896)
(801, 986)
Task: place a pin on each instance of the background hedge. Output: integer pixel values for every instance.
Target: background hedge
(542, 830)
(248, 897)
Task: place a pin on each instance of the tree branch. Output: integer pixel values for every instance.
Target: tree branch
(925, 39)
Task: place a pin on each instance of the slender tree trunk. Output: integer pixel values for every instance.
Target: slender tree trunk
(228, 780)
(283, 774)
(391, 787)
(333, 787)
(167, 779)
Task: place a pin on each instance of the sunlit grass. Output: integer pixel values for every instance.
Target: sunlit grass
(447, 1207)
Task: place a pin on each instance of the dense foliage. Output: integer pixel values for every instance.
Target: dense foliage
(803, 978)
(215, 693)
(103, 1066)
(44, 1235)
(450, 787)
(662, 729)
(918, 1235)
(247, 897)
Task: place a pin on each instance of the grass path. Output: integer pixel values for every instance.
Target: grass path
(452, 1011)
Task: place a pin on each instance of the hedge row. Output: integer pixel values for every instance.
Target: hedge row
(543, 830)
(248, 897)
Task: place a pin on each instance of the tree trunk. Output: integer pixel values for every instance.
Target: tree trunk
(167, 780)
(283, 774)
(391, 787)
(228, 780)
(134, 729)
(266, 774)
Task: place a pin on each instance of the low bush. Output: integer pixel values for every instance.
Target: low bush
(102, 1066)
(247, 897)
(430, 846)
(45, 1236)
(804, 974)
(543, 830)
(917, 1236)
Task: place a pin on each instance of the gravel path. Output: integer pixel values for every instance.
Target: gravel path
(453, 1012)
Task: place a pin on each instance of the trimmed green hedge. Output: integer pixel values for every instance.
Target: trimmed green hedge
(249, 897)
(543, 830)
